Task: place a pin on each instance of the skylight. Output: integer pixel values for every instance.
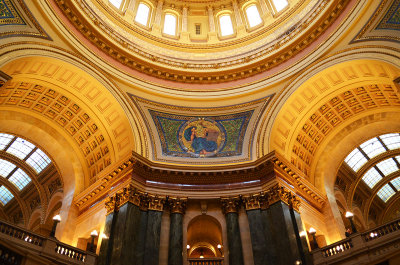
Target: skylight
(387, 166)
(396, 183)
(371, 177)
(6, 168)
(5, 139)
(20, 148)
(355, 159)
(386, 192)
(142, 14)
(372, 148)
(5, 195)
(116, 3)
(20, 179)
(38, 160)
(24, 150)
(225, 24)
(170, 24)
(280, 4)
(253, 16)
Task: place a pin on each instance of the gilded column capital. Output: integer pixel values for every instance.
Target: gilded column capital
(279, 193)
(230, 205)
(156, 203)
(264, 202)
(251, 202)
(129, 194)
(111, 204)
(177, 205)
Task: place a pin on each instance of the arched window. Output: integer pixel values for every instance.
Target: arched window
(253, 16)
(169, 24)
(279, 5)
(225, 24)
(116, 3)
(142, 14)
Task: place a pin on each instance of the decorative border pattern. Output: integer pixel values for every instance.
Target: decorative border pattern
(392, 18)
(9, 14)
(22, 30)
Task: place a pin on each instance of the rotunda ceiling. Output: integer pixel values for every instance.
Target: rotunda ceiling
(194, 41)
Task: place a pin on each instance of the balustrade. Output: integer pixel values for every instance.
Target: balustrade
(48, 247)
(371, 246)
(206, 261)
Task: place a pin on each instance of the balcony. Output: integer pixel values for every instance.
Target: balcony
(206, 261)
(375, 245)
(18, 245)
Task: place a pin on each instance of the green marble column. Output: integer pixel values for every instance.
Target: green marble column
(284, 237)
(140, 247)
(175, 240)
(175, 248)
(231, 209)
(107, 240)
(153, 230)
(301, 240)
(126, 235)
(258, 243)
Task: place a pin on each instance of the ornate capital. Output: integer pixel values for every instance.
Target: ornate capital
(230, 205)
(129, 194)
(111, 204)
(264, 202)
(251, 202)
(279, 193)
(177, 205)
(156, 203)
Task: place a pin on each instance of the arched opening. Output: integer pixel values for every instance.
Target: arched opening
(204, 238)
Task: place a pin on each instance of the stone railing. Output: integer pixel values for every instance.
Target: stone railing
(206, 261)
(46, 247)
(362, 248)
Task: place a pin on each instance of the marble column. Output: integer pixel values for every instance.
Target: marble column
(278, 221)
(140, 248)
(230, 207)
(175, 248)
(252, 205)
(301, 240)
(127, 228)
(153, 230)
(109, 228)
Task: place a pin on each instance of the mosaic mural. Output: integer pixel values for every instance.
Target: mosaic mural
(391, 20)
(209, 136)
(9, 14)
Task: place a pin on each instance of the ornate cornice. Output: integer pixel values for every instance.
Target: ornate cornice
(177, 205)
(260, 60)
